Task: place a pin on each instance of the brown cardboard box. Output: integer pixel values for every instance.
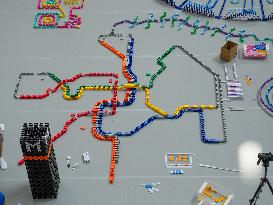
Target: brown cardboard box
(229, 51)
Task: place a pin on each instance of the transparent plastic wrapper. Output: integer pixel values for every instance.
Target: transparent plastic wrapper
(211, 193)
(178, 160)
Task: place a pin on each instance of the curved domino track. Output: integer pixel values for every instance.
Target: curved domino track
(265, 96)
(50, 20)
(132, 86)
(250, 10)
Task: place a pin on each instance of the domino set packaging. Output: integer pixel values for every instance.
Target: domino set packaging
(256, 50)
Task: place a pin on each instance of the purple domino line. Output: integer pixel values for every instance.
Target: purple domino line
(265, 106)
(185, 22)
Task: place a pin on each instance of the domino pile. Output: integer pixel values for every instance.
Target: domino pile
(151, 188)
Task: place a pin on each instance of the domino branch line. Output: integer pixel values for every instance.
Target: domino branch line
(97, 113)
(195, 25)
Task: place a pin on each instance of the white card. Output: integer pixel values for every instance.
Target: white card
(2, 127)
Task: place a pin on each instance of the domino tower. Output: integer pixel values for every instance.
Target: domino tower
(40, 160)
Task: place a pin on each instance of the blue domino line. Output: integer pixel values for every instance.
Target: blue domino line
(181, 5)
(158, 117)
(222, 8)
(245, 5)
(268, 100)
(104, 105)
(262, 9)
(211, 7)
(131, 100)
(131, 52)
(208, 3)
(245, 10)
(248, 12)
(187, 3)
(202, 124)
(252, 5)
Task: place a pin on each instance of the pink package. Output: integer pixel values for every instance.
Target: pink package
(257, 50)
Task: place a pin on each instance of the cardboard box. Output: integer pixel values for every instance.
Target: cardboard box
(229, 51)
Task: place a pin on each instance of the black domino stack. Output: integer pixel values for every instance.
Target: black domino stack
(42, 172)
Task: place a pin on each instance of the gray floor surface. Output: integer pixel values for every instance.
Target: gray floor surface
(68, 52)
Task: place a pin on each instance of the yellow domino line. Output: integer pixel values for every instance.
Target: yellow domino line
(147, 98)
(71, 2)
(62, 14)
(152, 106)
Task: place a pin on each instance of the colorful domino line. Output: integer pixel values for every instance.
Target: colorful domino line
(50, 20)
(131, 87)
(249, 14)
(205, 27)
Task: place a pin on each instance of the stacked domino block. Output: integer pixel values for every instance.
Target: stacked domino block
(40, 160)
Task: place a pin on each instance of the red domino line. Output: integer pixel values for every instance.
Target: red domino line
(95, 109)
